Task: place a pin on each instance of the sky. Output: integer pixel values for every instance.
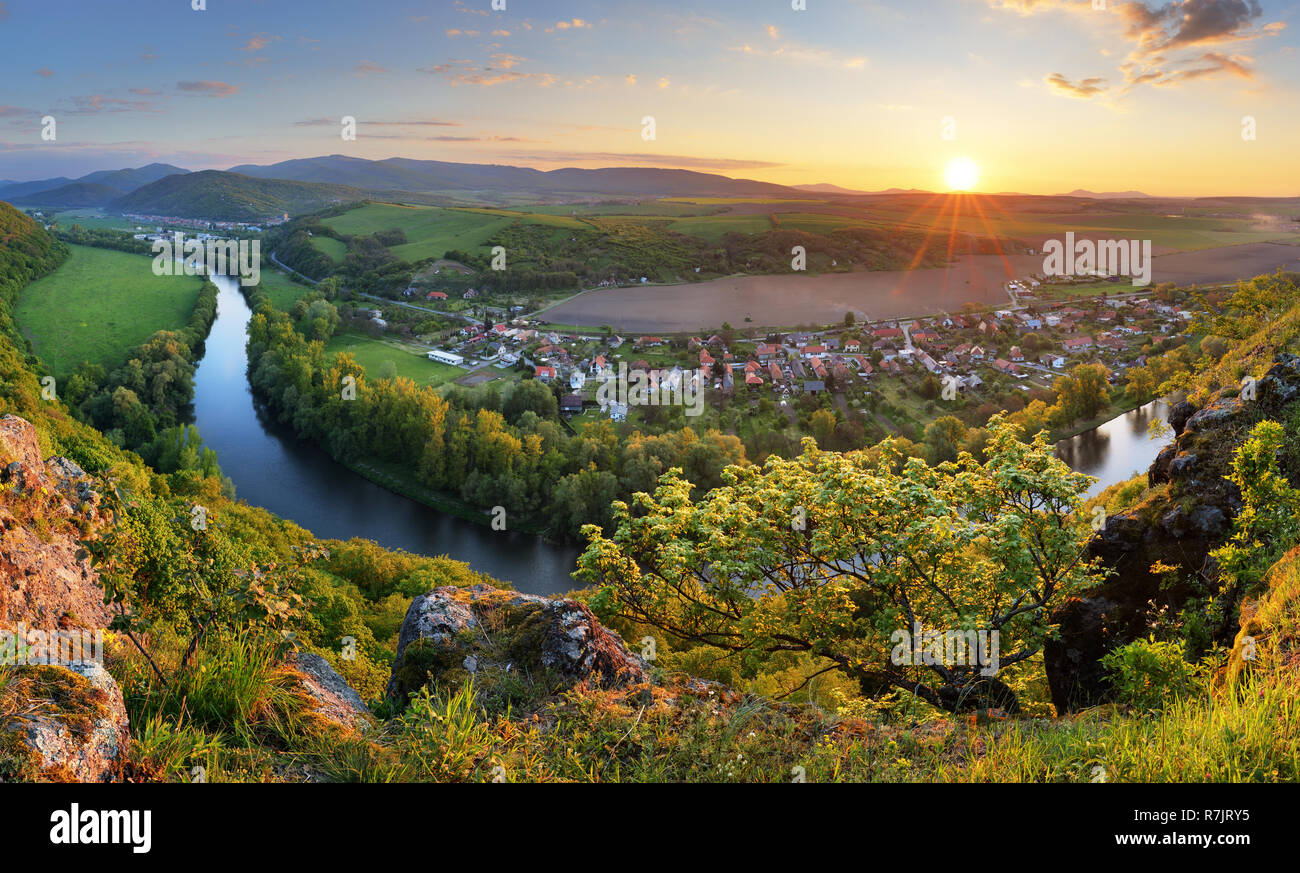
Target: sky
(1043, 96)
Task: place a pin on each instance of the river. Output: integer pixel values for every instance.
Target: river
(273, 469)
(1118, 449)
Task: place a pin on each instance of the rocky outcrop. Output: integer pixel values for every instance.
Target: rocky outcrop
(451, 634)
(63, 724)
(44, 505)
(335, 700)
(1178, 526)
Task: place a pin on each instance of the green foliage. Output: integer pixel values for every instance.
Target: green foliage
(1146, 673)
(834, 555)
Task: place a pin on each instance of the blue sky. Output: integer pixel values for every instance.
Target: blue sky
(1045, 95)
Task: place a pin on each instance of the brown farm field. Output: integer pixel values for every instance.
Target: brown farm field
(785, 301)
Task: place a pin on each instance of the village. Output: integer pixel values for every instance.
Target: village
(979, 355)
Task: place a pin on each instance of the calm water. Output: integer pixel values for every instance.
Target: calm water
(1118, 449)
(271, 468)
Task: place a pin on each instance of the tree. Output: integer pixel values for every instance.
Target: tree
(842, 556)
(1084, 393)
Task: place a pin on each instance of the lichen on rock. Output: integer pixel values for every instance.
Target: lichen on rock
(452, 634)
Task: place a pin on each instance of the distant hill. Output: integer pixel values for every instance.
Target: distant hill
(72, 194)
(221, 195)
(1105, 195)
(22, 189)
(129, 179)
(827, 188)
(406, 174)
(117, 181)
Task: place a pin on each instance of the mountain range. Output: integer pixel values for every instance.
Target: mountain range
(93, 189)
(406, 174)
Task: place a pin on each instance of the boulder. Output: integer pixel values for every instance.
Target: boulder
(45, 579)
(451, 634)
(335, 699)
(1178, 527)
(65, 724)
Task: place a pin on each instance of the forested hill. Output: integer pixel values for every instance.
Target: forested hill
(26, 253)
(405, 174)
(219, 195)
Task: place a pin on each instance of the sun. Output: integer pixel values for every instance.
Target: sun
(961, 174)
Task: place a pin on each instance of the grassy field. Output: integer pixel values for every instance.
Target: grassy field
(431, 231)
(283, 291)
(99, 305)
(410, 362)
(336, 249)
(90, 218)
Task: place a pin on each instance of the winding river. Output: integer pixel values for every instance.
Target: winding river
(273, 469)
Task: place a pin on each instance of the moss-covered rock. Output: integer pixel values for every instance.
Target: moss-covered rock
(452, 634)
(64, 724)
(1185, 516)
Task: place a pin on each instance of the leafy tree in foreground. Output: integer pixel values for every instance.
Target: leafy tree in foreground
(835, 555)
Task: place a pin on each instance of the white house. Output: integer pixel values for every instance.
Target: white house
(446, 357)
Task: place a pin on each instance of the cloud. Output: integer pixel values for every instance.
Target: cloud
(259, 41)
(4, 11)
(1084, 89)
(630, 79)
(506, 61)
(646, 159)
(207, 88)
(456, 31)
(365, 68)
(1162, 36)
(574, 24)
(94, 104)
(414, 122)
(45, 72)
(519, 139)
(146, 92)
(465, 72)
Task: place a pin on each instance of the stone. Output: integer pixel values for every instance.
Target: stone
(336, 701)
(451, 634)
(70, 724)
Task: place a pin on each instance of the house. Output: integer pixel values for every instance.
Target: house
(818, 368)
(887, 333)
(446, 357)
(809, 351)
(1016, 354)
(571, 404)
(753, 380)
(436, 295)
(1077, 343)
(814, 387)
(852, 346)
(928, 362)
(1053, 360)
(705, 358)
(766, 351)
(644, 341)
(545, 374)
(1004, 366)
(599, 365)
(774, 369)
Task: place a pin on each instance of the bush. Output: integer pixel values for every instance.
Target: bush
(1147, 673)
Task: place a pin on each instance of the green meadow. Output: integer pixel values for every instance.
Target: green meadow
(283, 291)
(336, 249)
(410, 362)
(99, 305)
